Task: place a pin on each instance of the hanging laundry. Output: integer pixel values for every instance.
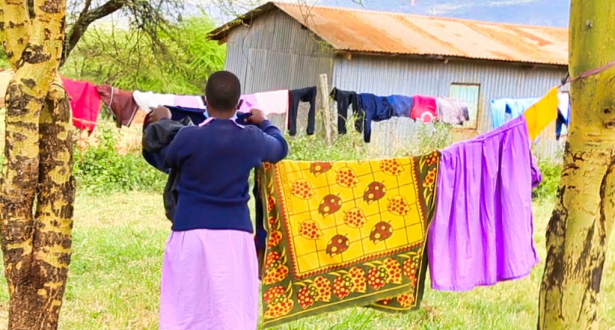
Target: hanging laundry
(275, 102)
(346, 234)
(513, 107)
(563, 116)
(302, 95)
(376, 108)
(541, 114)
(149, 100)
(248, 102)
(452, 111)
(5, 79)
(189, 101)
(482, 231)
(424, 109)
(402, 105)
(196, 115)
(344, 99)
(85, 103)
(121, 103)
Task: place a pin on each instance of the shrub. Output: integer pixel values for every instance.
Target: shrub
(551, 172)
(101, 168)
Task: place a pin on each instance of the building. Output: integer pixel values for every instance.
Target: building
(286, 46)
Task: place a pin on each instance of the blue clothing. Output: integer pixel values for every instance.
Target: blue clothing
(376, 108)
(401, 105)
(512, 107)
(197, 116)
(215, 161)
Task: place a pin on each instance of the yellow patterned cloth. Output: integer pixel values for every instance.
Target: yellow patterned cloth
(346, 234)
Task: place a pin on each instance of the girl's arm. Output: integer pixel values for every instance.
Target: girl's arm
(275, 147)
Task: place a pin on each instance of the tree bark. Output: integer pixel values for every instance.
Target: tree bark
(581, 224)
(38, 162)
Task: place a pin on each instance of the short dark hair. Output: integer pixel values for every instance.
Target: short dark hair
(223, 91)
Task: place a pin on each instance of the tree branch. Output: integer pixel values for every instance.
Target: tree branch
(86, 18)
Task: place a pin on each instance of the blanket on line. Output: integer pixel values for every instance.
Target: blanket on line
(346, 234)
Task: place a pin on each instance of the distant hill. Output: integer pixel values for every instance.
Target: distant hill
(533, 12)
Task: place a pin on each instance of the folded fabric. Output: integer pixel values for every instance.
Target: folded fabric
(424, 109)
(189, 101)
(274, 102)
(302, 95)
(344, 100)
(483, 232)
(542, 113)
(149, 100)
(85, 103)
(121, 103)
(5, 79)
(402, 105)
(345, 234)
(376, 108)
(452, 111)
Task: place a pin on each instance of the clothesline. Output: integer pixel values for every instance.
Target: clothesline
(86, 98)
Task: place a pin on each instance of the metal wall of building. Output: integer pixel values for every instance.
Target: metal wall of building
(274, 53)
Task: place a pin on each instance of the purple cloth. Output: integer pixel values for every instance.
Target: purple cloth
(249, 103)
(482, 231)
(189, 101)
(209, 281)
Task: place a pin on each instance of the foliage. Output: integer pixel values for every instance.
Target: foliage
(102, 169)
(551, 172)
(129, 60)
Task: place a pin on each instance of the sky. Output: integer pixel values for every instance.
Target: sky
(529, 12)
(532, 12)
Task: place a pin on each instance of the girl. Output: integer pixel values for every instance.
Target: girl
(210, 270)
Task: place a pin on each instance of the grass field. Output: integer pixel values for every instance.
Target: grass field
(115, 274)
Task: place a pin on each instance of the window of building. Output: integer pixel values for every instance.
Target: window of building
(469, 93)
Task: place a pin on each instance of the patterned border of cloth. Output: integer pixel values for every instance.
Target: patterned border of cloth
(390, 280)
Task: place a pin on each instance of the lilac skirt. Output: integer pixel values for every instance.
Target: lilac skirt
(209, 281)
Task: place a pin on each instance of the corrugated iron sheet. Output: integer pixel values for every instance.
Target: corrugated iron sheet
(404, 34)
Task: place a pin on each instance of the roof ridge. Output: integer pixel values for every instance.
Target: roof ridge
(435, 18)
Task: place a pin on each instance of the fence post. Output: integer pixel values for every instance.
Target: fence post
(326, 106)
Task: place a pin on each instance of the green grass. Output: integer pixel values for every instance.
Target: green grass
(115, 274)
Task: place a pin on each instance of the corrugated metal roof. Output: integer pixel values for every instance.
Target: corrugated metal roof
(377, 32)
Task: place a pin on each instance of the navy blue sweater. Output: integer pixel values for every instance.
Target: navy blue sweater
(215, 161)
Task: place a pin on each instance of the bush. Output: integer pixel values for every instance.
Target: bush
(551, 172)
(102, 169)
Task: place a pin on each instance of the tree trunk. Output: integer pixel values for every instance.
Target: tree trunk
(38, 161)
(580, 227)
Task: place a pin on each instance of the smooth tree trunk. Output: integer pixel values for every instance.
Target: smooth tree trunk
(37, 169)
(580, 227)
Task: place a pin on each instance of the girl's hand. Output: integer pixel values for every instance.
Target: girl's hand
(160, 113)
(258, 116)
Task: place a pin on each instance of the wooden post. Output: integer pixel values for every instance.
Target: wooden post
(326, 107)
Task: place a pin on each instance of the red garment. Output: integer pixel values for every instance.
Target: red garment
(85, 103)
(424, 109)
(121, 103)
